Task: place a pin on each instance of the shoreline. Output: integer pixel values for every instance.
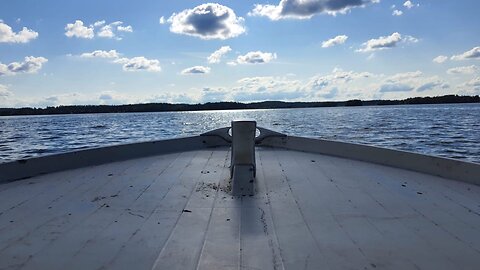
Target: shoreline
(218, 106)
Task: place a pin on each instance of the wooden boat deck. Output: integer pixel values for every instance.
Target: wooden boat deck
(173, 211)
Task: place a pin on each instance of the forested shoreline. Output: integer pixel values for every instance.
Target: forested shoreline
(169, 107)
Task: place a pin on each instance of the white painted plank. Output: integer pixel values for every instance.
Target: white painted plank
(297, 244)
(339, 249)
(395, 201)
(90, 212)
(183, 248)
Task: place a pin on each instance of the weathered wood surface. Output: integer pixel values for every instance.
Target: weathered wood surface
(174, 211)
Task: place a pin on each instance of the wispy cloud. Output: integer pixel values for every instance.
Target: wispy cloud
(463, 70)
(386, 42)
(196, 70)
(440, 59)
(101, 54)
(217, 55)
(334, 41)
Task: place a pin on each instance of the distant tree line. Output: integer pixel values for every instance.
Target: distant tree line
(167, 107)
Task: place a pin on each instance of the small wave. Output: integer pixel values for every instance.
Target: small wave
(98, 127)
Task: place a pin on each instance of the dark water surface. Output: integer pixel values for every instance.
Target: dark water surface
(442, 130)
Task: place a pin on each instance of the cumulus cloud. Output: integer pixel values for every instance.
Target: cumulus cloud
(110, 30)
(440, 59)
(217, 55)
(386, 42)
(31, 64)
(77, 29)
(397, 12)
(334, 41)
(196, 70)
(139, 63)
(7, 35)
(409, 4)
(207, 21)
(127, 28)
(463, 70)
(256, 57)
(101, 54)
(162, 20)
(471, 54)
(305, 9)
(99, 28)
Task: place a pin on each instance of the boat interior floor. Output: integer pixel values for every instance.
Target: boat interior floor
(176, 211)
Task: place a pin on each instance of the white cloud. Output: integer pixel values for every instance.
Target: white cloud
(404, 76)
(77, 29)
(196, 70)
(110, 30)
(207, 21)
(440, 59)
(162, 20)
(23, 36)
(31, 64)
(4, 93)
(216, 56)
(127, 28)
(408, 82)
(305, 9)
(99, 28)
(474, 82)
(101, 54)
(409, 4)
(139, 63)
(99, 23)
(334, 41)
(471, 54)
(336, 78)
(463, 70)
(256, 57)
(106, 32)
(251, 89)
(386, 42)
(397, 12)
(395, 87)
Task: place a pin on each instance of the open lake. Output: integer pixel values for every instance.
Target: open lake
(442, 130)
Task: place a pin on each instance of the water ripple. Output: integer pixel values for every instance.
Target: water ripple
(443, 130)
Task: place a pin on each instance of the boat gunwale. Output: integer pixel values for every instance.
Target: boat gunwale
(453, 169)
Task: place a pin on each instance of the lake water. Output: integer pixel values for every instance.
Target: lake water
(442, 130)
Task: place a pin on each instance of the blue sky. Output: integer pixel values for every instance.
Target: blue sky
(116, 52)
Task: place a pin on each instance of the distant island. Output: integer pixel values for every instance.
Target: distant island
(168, 107)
